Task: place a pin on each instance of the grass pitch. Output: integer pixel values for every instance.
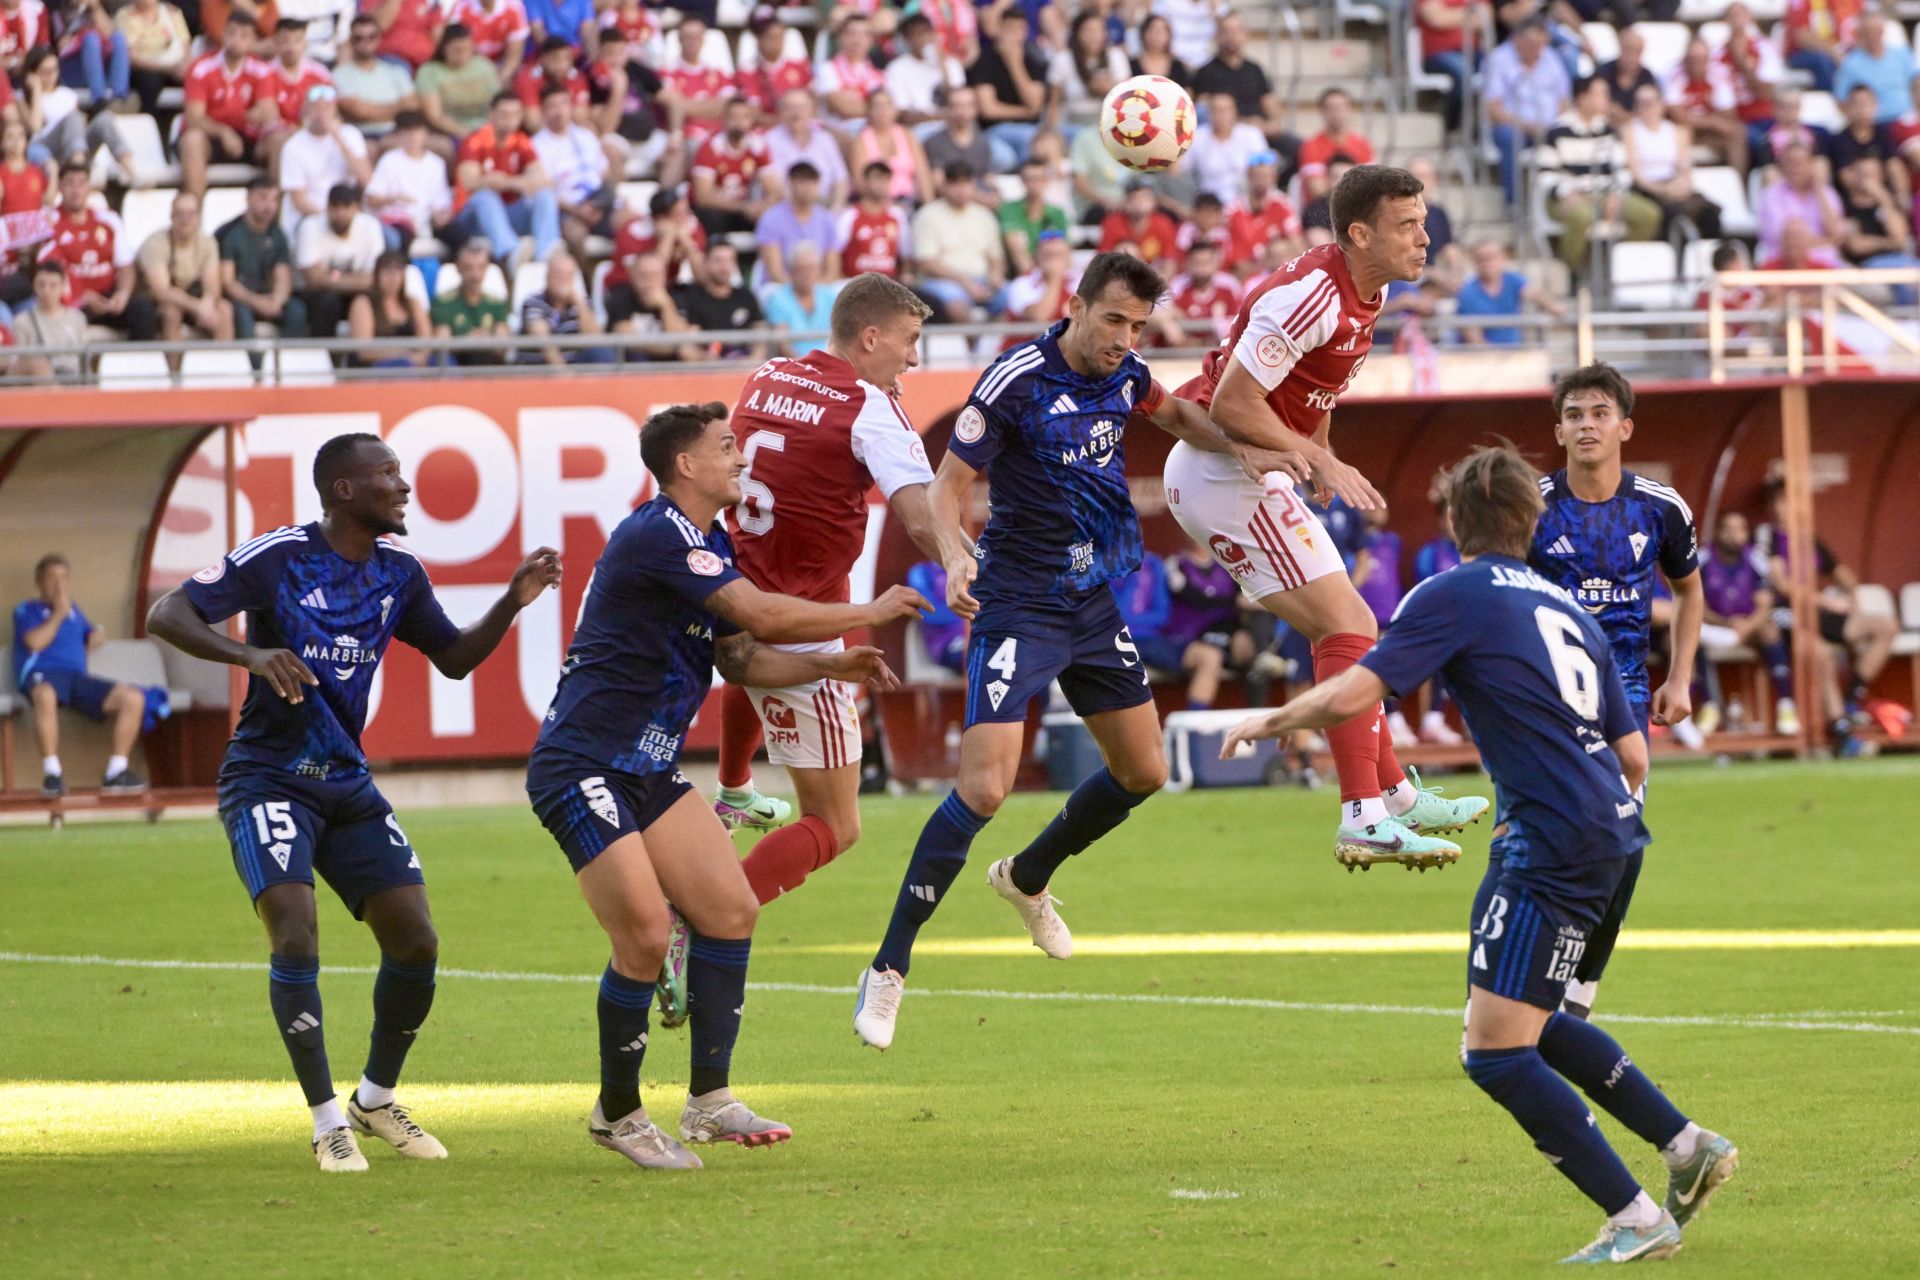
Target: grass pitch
(1245, 1101)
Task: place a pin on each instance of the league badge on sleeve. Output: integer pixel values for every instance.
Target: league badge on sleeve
(971, 425)
(213, 572)
(704, 563)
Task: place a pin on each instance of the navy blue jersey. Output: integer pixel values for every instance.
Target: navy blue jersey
(641, 660)
(1049, 439)
(1605, 553)
(337, 616)
(1540, 695)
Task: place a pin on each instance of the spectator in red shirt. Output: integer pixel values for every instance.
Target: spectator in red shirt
(1204, 293)
(1450, 44)
(667, 231)
(695, 93)
(91, 244)
(229, 103)
(23, 189)
(1206, 225)
(23, 26)
(1337, 136)
(1039, 298)
(874, 234)
(767, 72)
(632, 19)
(1700, 95)
(1756, 65)
(500, 191)
(500, 31)
(1140, 223)
(725, 170)
(555, 65)
(1819, 32)
(1264, 230)
(409, 29)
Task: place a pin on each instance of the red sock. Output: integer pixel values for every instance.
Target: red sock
(1355, 744)
(788, 856)
(1391, 774)
(739, 736)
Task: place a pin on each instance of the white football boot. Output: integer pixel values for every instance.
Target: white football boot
(337, 1152)
(393, 1126)
(1044, 925)
(877, 1006)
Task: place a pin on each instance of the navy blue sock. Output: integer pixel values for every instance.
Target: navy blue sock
(1592, 1059)
(716, 995)
(1560, 1125)
(402, 995)
(1779, 668)
(937, 859)
(293, 987)
(623, 1041)
(1097, 806)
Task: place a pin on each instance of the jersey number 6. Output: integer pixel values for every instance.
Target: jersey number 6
(756, 500)
(1573, 666)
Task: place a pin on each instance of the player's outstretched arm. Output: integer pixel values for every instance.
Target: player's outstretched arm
(1673, 701)
(779, 619)
(174, 620)
(743, 660)
(1241, 411)
(1332, 702)
(947, 497)
(470, 648)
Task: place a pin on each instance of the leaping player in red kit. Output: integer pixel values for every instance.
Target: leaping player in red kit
(1299, 338)
(818, 433)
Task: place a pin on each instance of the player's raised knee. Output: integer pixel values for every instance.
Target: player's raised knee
(1142, 777)
(733, 918)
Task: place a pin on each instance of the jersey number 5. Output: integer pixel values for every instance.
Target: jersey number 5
(1573, 666)
(756, 500)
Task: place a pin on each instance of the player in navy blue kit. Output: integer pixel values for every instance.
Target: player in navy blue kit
(322, 602)
(1556, 726)
(664, 608)
(1604, 535)
(1045, 422)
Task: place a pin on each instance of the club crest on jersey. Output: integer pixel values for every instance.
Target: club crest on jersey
(970, 426)
(1271, 351)
(1638, 541)
(386, 607)
(704, 563)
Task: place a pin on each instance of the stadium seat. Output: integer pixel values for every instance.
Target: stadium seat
(303, 367)
(1819, 109)
(1418, 79)
(216, 367)
(947, 349)
(1602, 37)
(134, 370)
(1765, 11)
(1910, 606)
(144, 212)
(921, 668)
(136, 662)
(1642, 273)
(597, 292)
(1696, 12)
(220, 206)
(746, 53)
(636, 196)
(1009, 186)
(1722, 185)
(416, 285)
(1715, 34)
(1696, 266)
(1666, 45)
(495, 285)
(530, 279)
(1874, 601)
(142, 136)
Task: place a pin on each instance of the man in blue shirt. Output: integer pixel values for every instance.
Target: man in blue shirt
(51, 639)
(665, 607)
(1045, 423)
(323, 600)
(1546, 704)
(1605, 537)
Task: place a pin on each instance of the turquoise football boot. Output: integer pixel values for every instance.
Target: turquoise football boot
(1434, 812)
(1691, 1185)
(1632, 1244)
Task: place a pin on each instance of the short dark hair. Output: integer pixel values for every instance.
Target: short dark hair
(360, 20)
(554, 44)
(960, 170)
(1585, 83)
(505, 95)
(70, 167)
(50, 267)
(671, 432)
(1598, 376)
(1327, 95)
(35, 56)
(880, 167)
(262, 182)
(409, 119)
(46, 562)
(1207, 200)
(1726, 255)
(1493, 497)
(1139, 279)
(1358, 195)
(342, 194)
(803, 170)
(663, 200)
(553, 91)
(244, 21)
(872, 299)
(331, 458)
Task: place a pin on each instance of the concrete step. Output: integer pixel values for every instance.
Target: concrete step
(1405, 130)
(1330, 60)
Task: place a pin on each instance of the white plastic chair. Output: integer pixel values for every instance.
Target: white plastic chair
(144, 212)
(1666, 45)
(134, 370)
(1722, 185)
(216, 367)
(1642, 274)
(304, 367)
(1820, 109)
(220, 206)
(1602, 37)
(494, 286)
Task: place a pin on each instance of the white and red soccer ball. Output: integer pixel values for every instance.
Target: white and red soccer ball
(1147, 123)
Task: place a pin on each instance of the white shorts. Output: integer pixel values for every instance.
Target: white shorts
(1263, 535)
(810, 726)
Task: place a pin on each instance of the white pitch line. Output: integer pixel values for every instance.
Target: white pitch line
(1186, 1193)
(1758, 1022)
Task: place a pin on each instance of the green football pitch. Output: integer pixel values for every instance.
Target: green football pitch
(1248, 1069)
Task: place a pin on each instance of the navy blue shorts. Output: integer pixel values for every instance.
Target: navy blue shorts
(1017, 651)
(1533, 930)
(84, 693)
(586, 807)
(284, 828)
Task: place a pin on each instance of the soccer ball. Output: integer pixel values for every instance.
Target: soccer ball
(1147, 123)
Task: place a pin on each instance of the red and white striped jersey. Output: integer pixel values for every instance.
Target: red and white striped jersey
(816, 439)
(1303, 332)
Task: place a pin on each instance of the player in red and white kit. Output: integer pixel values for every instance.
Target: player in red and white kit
(817, 434)
(1300, 336)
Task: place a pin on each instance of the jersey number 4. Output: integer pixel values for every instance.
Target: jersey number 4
(756, 500)
(1573, 666)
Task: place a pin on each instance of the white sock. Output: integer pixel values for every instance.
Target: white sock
(1583, 993)
(50, 765)
(116, 765)
(1400, 798)
(1683, 1147)
(327, 1117)
(370, 1094)
(738, 795)
(1356, 814)
(1643, 1212)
